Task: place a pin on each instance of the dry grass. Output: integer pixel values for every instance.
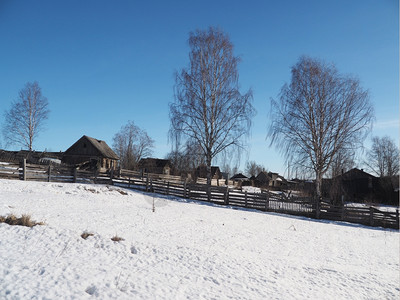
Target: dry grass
(24, 220)
(116, 238)
(85, 235)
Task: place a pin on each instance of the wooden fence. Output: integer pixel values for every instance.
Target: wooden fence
(221, 195)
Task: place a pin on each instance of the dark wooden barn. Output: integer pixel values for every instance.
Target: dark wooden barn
(91, 151)
(270, 179)
(201, 172)
(359, 186)
(155, 166)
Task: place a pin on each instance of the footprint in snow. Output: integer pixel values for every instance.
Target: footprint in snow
(133, 250)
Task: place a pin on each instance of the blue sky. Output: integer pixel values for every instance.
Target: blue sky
(102, 63)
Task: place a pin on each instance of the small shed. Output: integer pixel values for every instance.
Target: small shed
(93, 151)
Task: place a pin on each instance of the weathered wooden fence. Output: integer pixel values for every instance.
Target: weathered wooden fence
(222, 195)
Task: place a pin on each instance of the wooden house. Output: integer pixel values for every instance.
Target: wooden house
(92, 151)
(355, 186)
(239, 177)
(270, 179)
(201, 172)
(155, 166)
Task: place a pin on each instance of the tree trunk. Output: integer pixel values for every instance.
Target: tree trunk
(318, 184)
(208, 162)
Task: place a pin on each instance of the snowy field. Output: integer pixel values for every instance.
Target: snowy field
(182, 250)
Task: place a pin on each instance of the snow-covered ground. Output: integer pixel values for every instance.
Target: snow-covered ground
(182, 250)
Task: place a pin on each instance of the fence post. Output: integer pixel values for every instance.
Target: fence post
(147, 182)
(24, 170)
(111, 176)
(342, 212)
(226, 202)
(184, 189)
(317, 208)
(168, 188)
(129, 182)
(209, 193)
(371, 216)
(245, 198)
(49, 174)
(266, 201)
(74, 175)
(397, 218)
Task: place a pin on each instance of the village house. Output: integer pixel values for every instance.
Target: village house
(239, 177)
(357, 185)
(270, 179)
(201, 172)
(155, 166)
(91, 151)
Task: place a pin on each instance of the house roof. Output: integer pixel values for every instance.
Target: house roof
(154, 162)
(101, 146)
(355, 173)
(239, 176)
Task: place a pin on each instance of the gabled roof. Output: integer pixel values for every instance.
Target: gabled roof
(101, 146)
(355, 173)
(239, 176)
(155, 162)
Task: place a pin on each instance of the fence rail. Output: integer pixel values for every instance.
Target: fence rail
(222, 195)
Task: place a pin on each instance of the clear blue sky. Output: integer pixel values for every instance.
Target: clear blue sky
(102, 63)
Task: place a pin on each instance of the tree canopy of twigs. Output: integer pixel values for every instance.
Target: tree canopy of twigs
(209, 108)
(25, 119)
(383, 157)
(318, 114)
(253, 168)
(131, 144)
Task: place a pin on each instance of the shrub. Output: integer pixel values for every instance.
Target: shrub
(85, 235)
(24, 220)
(116, 238)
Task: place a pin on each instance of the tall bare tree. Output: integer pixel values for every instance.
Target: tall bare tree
(25, 119)
(132, 144)
(253, 169)
(187, 159)
(342, 162)
(319, 114)
(383, 157)
(209, 108)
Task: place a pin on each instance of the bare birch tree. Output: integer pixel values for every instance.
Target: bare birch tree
(383, 157)
(253, 169)
(25, 119)
(209, 108)
(132, 144)
(319, 114)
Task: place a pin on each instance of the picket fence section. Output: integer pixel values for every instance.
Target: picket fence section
(221, 195)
